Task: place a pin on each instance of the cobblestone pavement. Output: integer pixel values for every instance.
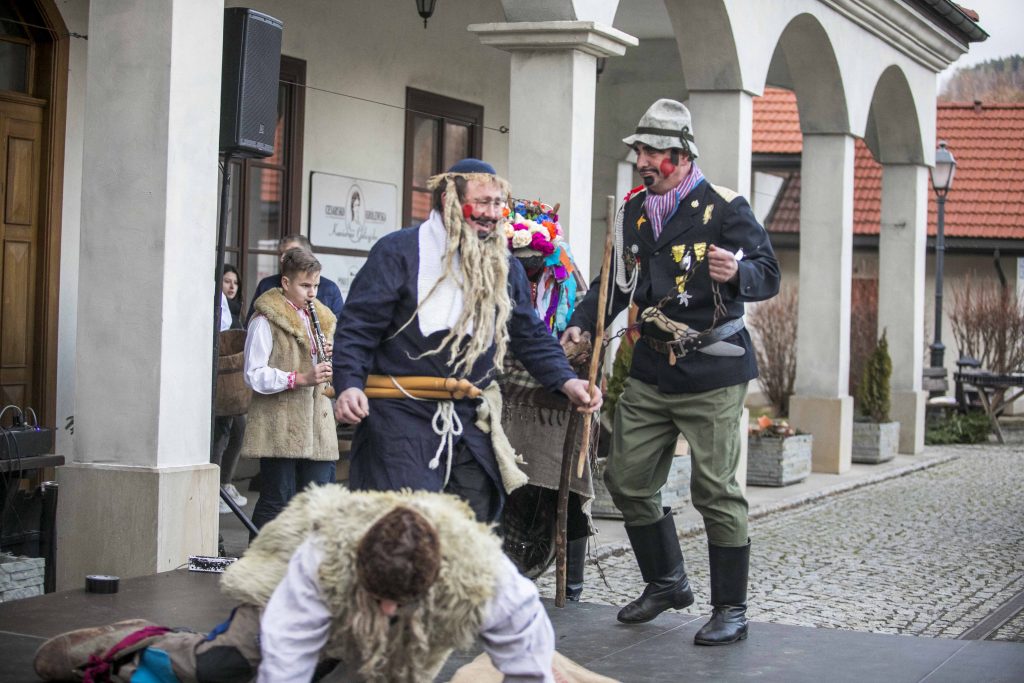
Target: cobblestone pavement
(931, 553)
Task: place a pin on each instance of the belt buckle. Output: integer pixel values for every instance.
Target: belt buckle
(672, 346)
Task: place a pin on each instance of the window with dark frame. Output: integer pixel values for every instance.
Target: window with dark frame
(265, 197)
(438, 132)
(16, 51)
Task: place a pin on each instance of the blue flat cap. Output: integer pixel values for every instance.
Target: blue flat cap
(472, 166)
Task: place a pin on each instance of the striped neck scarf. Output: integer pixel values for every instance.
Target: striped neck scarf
(661, 207)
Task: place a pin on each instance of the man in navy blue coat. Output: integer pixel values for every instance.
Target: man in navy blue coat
(328, 293)
(443, 300)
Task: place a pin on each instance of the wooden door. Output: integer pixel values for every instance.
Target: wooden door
(21, 134)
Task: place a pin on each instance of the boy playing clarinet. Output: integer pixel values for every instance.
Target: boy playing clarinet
(291, 423)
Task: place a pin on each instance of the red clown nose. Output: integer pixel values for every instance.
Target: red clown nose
(467, 211)
(666, 167)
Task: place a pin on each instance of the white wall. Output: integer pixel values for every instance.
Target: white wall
(374, 49)
(76, 17)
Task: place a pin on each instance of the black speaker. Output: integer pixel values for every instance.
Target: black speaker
(250, 72)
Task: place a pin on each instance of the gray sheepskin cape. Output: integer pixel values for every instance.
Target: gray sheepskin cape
(453, 608)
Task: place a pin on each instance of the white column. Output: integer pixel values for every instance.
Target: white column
(723, 124)
(901, 295)
(821, 404)
(551, 152)
(141, 496)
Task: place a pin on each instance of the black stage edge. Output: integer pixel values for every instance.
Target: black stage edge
(658, 652)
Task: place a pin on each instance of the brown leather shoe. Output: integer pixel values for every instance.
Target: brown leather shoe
(62, 657)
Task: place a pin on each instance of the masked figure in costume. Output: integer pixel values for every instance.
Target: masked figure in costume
(428, 322)
(538, 422)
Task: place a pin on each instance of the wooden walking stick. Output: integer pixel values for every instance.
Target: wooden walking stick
(567, 461)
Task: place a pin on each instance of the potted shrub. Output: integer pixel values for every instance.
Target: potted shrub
(776, 454)
(875, 438)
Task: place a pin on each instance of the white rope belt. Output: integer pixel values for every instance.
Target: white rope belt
(445, 423)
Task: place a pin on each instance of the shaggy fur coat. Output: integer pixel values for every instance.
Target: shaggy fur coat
(299, 422)
(452, 610)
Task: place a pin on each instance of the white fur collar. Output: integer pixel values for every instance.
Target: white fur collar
(441, 311)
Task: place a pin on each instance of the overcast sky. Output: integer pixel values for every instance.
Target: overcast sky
(1003, 20)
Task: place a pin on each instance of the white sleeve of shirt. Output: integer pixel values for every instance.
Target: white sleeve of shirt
(225, 313)
(258, 343)
(516, 631)
(296, 623)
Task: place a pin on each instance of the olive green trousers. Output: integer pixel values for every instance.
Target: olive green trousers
(646, 426)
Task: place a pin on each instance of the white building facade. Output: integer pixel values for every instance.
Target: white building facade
(124, 188)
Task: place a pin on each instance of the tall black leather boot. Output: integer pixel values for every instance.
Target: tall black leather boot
(661, 564)
(575, 560)
(729, 569)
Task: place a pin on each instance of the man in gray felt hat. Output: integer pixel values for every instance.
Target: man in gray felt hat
(689, 254)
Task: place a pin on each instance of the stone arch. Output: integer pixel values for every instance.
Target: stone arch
(706, 43)
(805, 62)
(893, 132)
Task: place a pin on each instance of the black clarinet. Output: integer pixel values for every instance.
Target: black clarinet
(321, 345)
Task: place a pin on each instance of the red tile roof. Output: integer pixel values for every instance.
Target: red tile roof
(867, 191)
(987, 199)
(785, 216)
(777, 123)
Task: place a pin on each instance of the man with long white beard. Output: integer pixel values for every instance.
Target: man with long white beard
(380, 586)
(427, 324)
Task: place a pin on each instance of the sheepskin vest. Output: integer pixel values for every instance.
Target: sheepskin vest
(455, 605)
(299, 422)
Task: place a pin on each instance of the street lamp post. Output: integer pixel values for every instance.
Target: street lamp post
(942, 181)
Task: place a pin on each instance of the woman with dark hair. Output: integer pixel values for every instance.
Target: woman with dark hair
(230, 429)
(231, 284)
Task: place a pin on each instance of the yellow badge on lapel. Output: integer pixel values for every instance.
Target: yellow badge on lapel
(699, 249)
(640, 221)
(707, 213)
(678, 251)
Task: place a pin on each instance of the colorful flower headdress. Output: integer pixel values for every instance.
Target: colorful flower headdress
(533, 230)
(533, 225)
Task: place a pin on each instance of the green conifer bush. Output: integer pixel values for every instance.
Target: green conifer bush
(873, 392)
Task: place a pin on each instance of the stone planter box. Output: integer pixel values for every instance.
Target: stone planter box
(778, 461)
(675, 493)
(874, 443)
(21, 577)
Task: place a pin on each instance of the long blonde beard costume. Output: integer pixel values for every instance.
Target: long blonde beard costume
(480, 266)
(415, 646)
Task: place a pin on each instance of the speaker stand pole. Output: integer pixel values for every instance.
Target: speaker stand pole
(222, 232)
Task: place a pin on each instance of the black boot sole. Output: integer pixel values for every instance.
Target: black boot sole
(711, 643)
(686, 603)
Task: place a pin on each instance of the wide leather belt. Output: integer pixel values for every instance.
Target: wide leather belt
(431, 388)
(679, 348)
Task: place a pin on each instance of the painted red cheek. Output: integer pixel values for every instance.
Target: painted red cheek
(667, 168)
(467, 211)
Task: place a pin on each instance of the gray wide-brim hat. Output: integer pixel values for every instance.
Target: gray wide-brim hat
(665, 125)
